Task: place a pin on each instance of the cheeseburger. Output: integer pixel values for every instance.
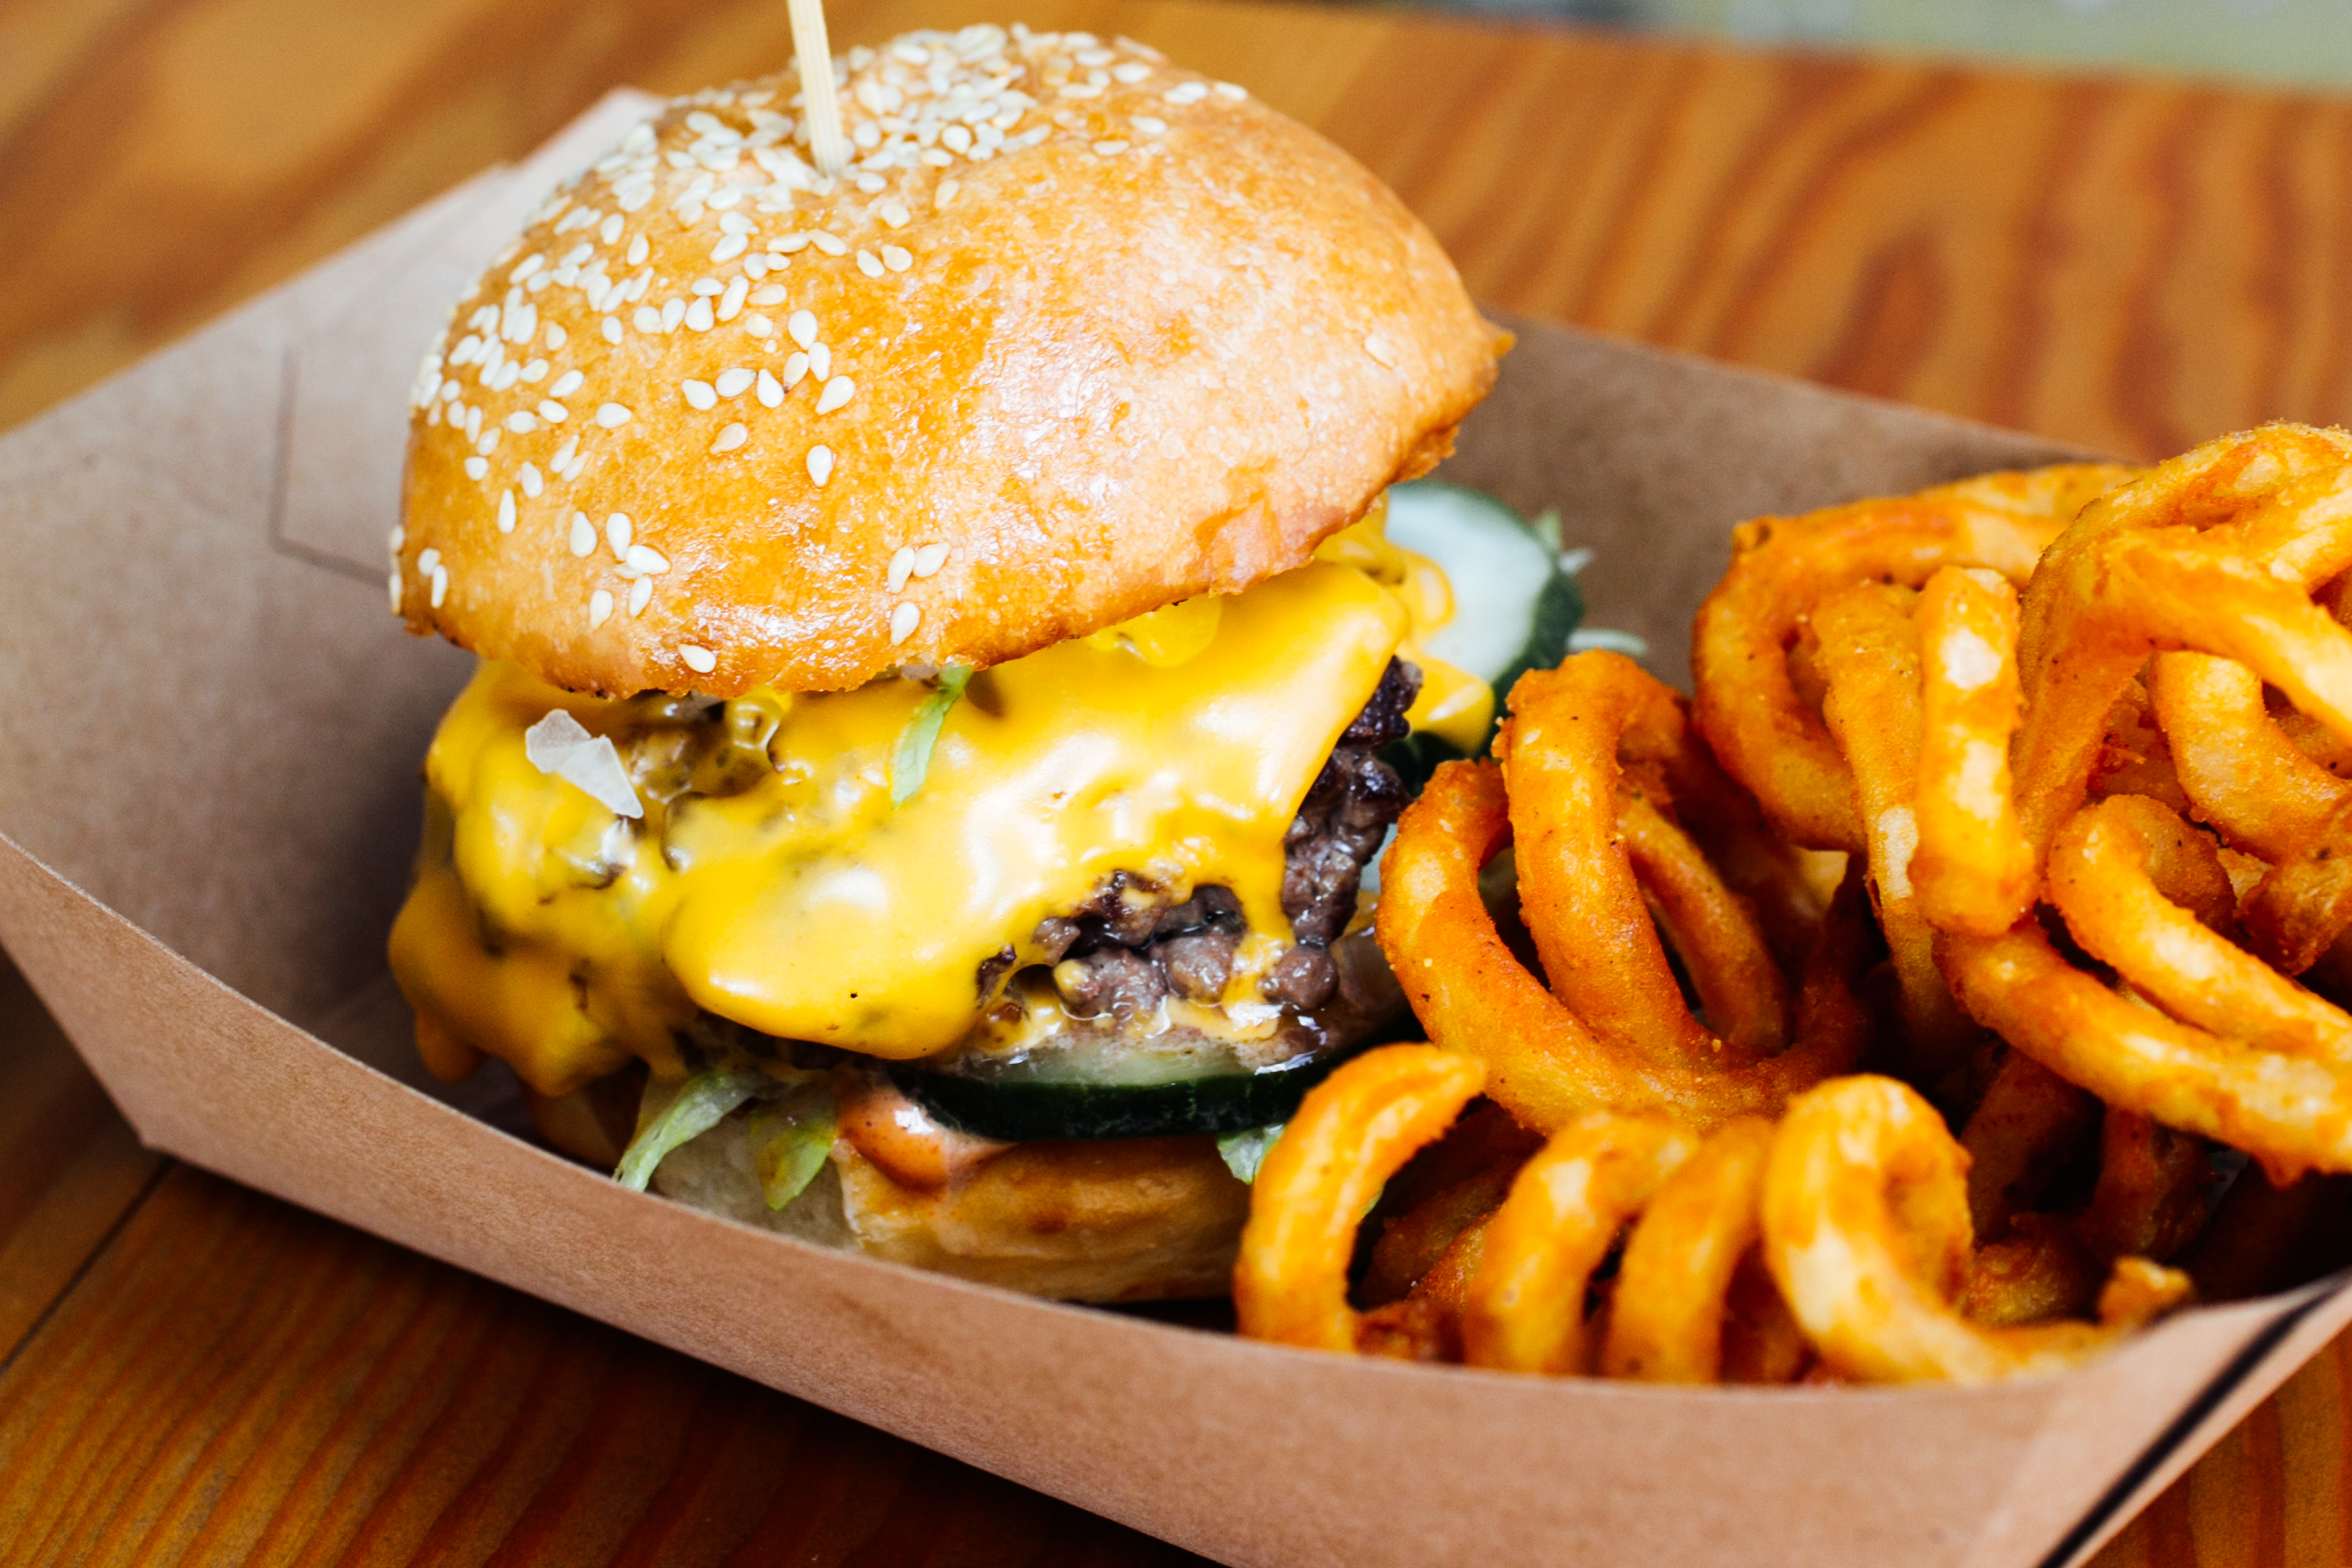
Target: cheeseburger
(937, 641)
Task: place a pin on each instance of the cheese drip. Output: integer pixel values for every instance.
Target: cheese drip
(791, 898)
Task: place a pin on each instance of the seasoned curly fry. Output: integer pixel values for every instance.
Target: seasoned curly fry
(1748, 708)
(2151, 1197)
(1739, 980)
(1544, 1065)
(1525, 1307)
(2134, 574)
(1351, 1133)
(1673, 1282)
(2233, 761)
(2292, 1114)
(1868, 657)
(1586, 911)
(2100, 879)
(1974, 869)
(1866, 1229)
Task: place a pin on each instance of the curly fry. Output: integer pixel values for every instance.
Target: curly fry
(1974, 869)
(1673, 1282)
(1866, 1229)
(2100, 881)
(2292, 1114)
(1868, 657)
(2304, 904)
(2151, 1197)
(1544, 1065)
(2042, 1271)
(2134, 575)
(1590, 923)
(1739, 980)
(1750, 709)
(2234, 763)
(1525, 1309)
(1352, 1132)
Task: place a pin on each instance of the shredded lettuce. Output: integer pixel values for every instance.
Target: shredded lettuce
(790, 1139)
(697, 1106)
(1244, 1152)
(911, 759)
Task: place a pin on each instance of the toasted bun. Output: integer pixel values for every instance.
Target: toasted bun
(1108, 337)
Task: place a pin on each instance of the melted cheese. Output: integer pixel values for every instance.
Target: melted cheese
(1454, 705)
(548, 931)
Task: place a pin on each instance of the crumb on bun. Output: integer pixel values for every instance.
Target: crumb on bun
(1080, 334)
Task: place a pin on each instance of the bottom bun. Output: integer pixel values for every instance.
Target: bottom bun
(1130, 1219)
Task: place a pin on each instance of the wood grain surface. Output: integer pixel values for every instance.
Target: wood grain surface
(189, 1372)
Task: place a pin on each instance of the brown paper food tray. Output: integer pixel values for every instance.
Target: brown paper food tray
(208, 790)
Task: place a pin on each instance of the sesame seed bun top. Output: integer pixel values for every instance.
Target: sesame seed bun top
(1080, 334)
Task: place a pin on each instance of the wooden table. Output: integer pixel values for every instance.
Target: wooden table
(189, 1372)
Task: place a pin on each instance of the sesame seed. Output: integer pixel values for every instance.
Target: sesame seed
(820, 464)
(531, 483)
(772, 294)
(1182, 93)
(477, 468)
(554, 412)
(648, 319)
(837, 391)
(599, 608)
(758, 326)
(609, 231)
(896, 258)
(771, 391)
(791, 244)
(872, 184)
(521, 422)
(1131, 73)
(1232, 90)
(896, 215)
(395, 539)
(903, 621)
(710, 286)
(555, 335)
(756, 265)
(728, 247)
(795, 367)
(699, 394)
(734, 223)
(734, 382)
(428, 561)
(440, 585)
(828, 243)
(701, 660)
(1149, 125)
(730, 304)
(946, 192)
(902, 565)
(639, 248)
(869, 264)
(1380, 349)
(821, 361)
(641, 594)
(801, 325)
(526, 266)
(699, 316)
(732, 438)
(618, 530)
(1097, 58)
(930, 559)
(566, 385)
(394, 583)
(650, 562)
(611, 416)
(936, 159)
(563, 453)
(611, 330)
(583, 535)
(487, 442)
(1110, 149)
(506, 512)
(673, 312)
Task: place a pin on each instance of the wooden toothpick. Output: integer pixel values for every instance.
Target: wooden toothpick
(820, 106)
